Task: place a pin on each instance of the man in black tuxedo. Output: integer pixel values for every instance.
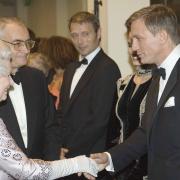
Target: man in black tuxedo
(155, 38)
(28, 111)
(87, 92)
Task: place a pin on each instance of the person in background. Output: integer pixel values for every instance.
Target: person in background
(14, 163)
(155, 37)
(87, 92)
(28, 112)
(38, 45)
(130, 108)
(60, 52)
(39, 61)
(32, 36)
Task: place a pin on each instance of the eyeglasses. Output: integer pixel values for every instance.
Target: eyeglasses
(29, 44)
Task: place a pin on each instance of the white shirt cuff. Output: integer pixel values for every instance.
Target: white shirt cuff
(109, 167)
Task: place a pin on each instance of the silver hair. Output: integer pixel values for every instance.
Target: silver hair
(5, 52)
(5, 55)
(9, 20)
(3, 70)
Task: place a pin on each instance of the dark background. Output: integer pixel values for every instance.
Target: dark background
(174, 4)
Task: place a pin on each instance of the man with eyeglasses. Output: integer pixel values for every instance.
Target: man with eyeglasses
(28, 112)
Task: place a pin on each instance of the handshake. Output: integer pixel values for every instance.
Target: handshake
(91, 166)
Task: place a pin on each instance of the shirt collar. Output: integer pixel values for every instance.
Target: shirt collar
(169, 63)
(91, 56)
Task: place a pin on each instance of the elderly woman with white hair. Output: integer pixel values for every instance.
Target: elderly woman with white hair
(14, 164)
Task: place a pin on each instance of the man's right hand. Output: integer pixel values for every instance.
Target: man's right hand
(101, 159)
(63, 152)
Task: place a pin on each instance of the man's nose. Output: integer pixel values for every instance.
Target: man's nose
(135, 46)
(80, 39)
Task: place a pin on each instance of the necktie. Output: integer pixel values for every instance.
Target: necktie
(160, 72)
(16, 78)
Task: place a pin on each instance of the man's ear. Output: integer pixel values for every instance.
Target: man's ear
(163, 36)
(99, 33)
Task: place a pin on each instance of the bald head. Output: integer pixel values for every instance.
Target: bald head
(5, 21)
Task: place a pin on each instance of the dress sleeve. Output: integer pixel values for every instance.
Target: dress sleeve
(16, 164)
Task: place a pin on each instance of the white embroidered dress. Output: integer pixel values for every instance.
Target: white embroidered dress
(14, 164)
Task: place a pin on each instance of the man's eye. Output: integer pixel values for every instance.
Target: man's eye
(85, 34)
(17, 43)
(74, 35)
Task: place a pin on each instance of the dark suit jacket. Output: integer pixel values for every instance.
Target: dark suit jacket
(84, 117)
(159, 135)
(40, 116)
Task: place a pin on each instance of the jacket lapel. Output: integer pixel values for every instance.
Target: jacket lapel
(12, 123)
(67, 84)
(85, 78)
(168, 88)
(83, 81)
(150, 106)
(26, 88)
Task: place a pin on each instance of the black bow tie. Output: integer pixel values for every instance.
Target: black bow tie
(84, 61)
(16, 78)
(160, 72)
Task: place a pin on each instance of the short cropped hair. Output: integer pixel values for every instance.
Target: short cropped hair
(85, 17)
(156, 18)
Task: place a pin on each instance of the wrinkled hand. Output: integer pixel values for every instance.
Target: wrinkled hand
(101, 160)
(63, 152)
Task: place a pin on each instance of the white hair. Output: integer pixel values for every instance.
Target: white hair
(5, 55)
(4, 21)
(3, 70)
(5, 52)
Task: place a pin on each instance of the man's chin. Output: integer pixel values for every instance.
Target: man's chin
(19, 63)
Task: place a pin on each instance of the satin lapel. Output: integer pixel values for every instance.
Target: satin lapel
(11, 122)
(150, 106)
(83, 81)
(26, 87)
(68, 82)
(169, 86)
(152, 102)
(85, 78)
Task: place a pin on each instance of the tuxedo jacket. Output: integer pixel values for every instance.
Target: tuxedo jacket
(84, 116)
(159, 134)
(41, 126)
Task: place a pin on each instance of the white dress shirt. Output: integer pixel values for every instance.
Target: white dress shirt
(168, 64)
(17, 99)
(81, 69)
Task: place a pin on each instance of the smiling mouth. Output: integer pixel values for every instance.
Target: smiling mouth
(136, 56)
(82, 48)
